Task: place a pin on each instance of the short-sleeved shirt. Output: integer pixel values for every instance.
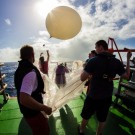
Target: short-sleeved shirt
(29, 83)
(97, 67)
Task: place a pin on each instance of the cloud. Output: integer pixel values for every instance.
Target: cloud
(7, 21)
(100, 19)
(128, 31)
(108, 18)
(43, 33)
(10, 55)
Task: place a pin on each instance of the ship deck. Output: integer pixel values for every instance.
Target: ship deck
(65, 120)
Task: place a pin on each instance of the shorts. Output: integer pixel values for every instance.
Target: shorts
(98, 106)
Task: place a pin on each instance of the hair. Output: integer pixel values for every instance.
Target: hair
(26, 52)
(103, 44)
(94, 52)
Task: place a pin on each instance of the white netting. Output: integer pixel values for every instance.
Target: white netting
(56, 97)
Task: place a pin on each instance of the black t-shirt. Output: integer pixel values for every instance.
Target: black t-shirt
(103, 69)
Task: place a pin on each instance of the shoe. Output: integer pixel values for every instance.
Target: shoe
(79, 133)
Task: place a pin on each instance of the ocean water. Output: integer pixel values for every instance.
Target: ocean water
(9, 69)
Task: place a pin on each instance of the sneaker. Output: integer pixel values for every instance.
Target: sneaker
(79, 133)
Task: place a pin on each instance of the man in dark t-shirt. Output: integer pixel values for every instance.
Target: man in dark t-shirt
(103, 68)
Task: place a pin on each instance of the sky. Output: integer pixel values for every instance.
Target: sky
(23, 22)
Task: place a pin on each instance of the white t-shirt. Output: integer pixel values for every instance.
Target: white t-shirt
(29, 83)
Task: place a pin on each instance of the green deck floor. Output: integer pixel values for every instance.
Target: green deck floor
(64, 121)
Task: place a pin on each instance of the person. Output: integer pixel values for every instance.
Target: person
(30, 87)
(103, 69)
(43, 65)
(60, 78)
(92, 54)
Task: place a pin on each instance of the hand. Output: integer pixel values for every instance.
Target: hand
(48, 110)
(129, 54)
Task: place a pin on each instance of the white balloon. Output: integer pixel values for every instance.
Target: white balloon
(63, 22)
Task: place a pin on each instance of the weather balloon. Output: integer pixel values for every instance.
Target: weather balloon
(63, 23)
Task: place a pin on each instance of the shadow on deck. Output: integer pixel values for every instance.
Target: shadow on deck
(66, 120)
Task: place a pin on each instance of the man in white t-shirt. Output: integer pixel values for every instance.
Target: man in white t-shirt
(30, 87)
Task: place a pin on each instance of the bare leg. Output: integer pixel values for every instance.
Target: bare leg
(100, 128)
(83, 125)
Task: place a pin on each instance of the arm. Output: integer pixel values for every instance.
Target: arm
(127, 73)
(66, 68)
(29, 84)
(84, 76)
(28, 101)
(88, 70)
(48, 55)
